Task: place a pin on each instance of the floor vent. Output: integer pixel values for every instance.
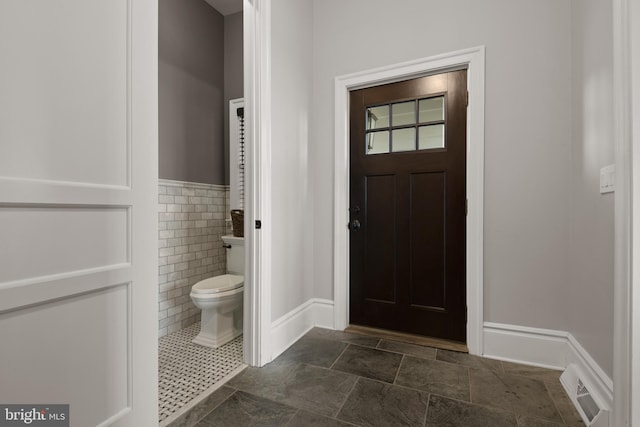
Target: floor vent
(593, 413)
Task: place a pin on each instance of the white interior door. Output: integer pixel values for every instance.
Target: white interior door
(78, 221)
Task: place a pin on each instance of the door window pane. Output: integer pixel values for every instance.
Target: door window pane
(431, 109)
(377, 142)
(400, 126)
(404, 113)
(378, 117)
(431, 136)
(404, 139)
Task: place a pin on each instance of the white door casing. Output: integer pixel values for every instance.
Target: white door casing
(257, 98)
(626, 102)
(473, 59)
(78, 208)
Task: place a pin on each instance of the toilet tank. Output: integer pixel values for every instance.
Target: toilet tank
(235, 254)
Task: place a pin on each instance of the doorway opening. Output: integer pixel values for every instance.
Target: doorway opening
(473, 61)
(200, 70)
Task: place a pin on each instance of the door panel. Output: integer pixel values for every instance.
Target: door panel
(78, 208)
(59, 58)
(380, 216)
(37, 232)
(85, 338)
(408, 172)
(428, 248)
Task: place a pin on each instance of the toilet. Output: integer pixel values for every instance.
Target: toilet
(220, 299)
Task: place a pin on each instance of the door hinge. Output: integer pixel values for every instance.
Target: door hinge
(258, 224)
(467, 98)
(466, 207)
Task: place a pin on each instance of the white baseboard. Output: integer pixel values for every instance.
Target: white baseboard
(540, 347)
(289, 328)
(550, 349)
(594, 376)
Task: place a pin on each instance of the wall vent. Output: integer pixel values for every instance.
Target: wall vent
(589, 405)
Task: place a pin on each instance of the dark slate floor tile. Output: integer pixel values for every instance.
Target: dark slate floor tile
(542, 374)
(373, 403)
(297, 389)
(363, 340)
(445, 412)
(198, 412)
(369, 362)
(245, 410)
(406, 348)
(521, 395)
(469, 360)
(433, 376)
(268, 377)
(300, 385)
(563, 403)
(307, 419)
(314, 351)
(527, 421)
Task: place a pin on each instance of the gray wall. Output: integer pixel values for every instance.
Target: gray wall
(548, 249)
(591, 251)
(292, 262)
(233, 73)
(528, 132)
(191, 92)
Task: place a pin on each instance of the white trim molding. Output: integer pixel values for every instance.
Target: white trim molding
(596, 377)
(549, 349)
(626, 19)
(474, 60)
(538, 347)
(289, 328)
(257, 84)
(634, 319)
(200, 185)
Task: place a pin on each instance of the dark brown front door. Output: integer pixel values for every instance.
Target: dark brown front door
(408, 196)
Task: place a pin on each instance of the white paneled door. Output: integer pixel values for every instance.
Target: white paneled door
(78, 221)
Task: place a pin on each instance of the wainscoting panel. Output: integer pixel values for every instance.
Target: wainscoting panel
(191, 222)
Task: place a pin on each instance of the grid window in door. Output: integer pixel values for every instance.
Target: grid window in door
(412, 125)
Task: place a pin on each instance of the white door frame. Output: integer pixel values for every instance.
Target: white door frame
(633, 321)
(626, 93)
(473, 59)
(257, 95)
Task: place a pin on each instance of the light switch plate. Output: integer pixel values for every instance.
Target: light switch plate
(608, 179)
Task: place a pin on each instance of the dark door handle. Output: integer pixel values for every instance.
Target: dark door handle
(354, 225)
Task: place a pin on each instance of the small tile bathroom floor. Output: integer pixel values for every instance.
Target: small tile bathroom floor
(332, 379)
(186, 370)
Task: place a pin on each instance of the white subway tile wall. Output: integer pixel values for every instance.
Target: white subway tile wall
(191, 221)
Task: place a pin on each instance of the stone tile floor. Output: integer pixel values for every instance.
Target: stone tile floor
(186, 370)
(332, 378)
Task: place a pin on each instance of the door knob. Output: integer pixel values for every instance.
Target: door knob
(354, 225)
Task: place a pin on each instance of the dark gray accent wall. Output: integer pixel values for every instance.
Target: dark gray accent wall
(191, 92)
(233, 72)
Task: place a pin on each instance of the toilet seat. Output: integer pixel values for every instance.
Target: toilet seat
(217, 284)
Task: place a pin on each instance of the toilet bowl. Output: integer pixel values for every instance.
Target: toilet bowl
(221, 298)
